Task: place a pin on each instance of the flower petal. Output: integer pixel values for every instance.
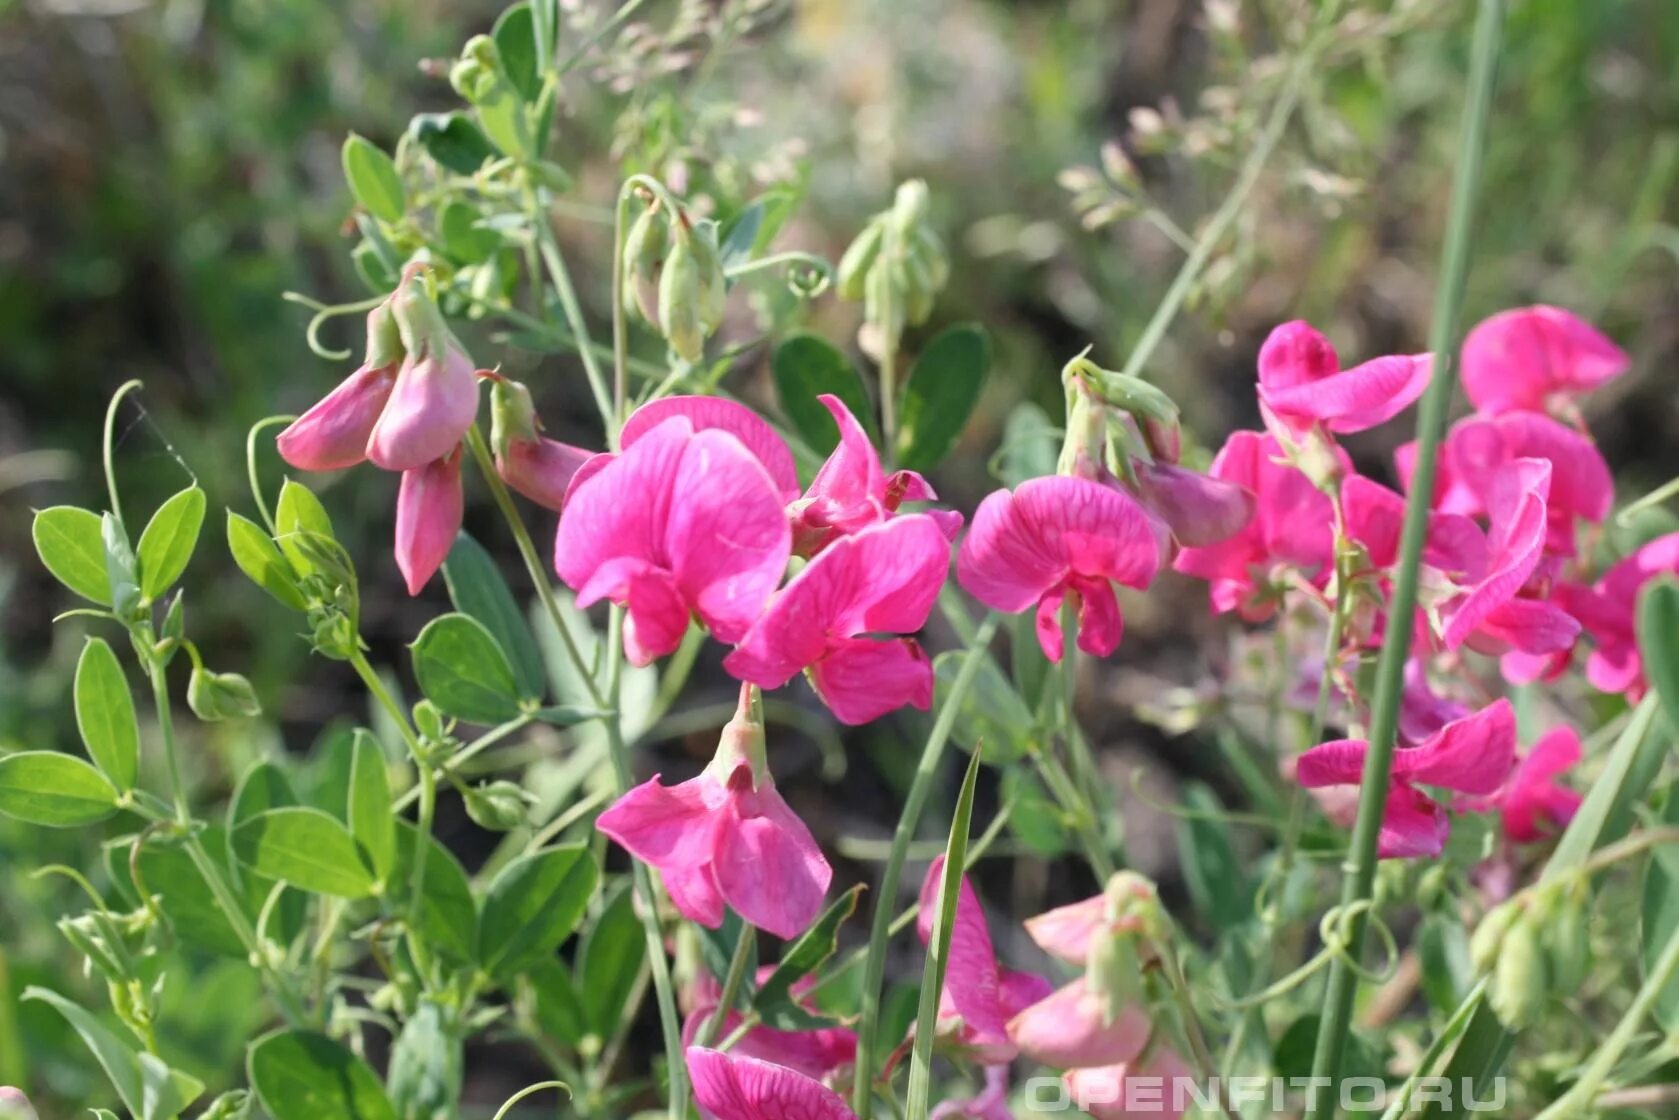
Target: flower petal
(862, 679)
(675, 829)
(1519, 359)
(768, 865)
(735, 1088)
(432, 404)
(428, 515)
(1470, 755)
(1339, 762)
(333, 434)
(724, 415)
(1068, 1029)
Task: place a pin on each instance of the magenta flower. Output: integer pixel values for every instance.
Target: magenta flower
(726, 837)
(432, 404)
(1145, 1089)
(1536, 359)
(740, 1088)
(816, 1053)
(980, 996)
(1301, 383)
(881, 580)
(1199, 509)
(1292, 529)
(428, 515)
(1471, 755)
(1055, 537)
(1533, 804)
(333, 434)
(1070, 1028)
(852, 491)
(683, 522)
(1609, 611)
(716, 413)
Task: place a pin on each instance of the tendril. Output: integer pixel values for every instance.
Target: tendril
(323, 312)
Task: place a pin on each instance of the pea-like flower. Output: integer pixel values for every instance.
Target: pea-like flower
(333, 434)
(1609, 612)
(1302, 384)
(1536, 359)
(739, 1088)
(428, 516)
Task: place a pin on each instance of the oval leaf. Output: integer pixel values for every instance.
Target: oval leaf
(453, 140)
(448, 912)
(105, 714)
(373, 179)
(56, 790)
(515, 36)
(462, 670)
(305, 847)
(371, 813)
(299, 512)
(168, 874)
(149, 1089)
(167, 544)
(302, 1075)
(610, 959)
(70, 544)
(944, 386)
(477, 588)
(259, 558)
(806, 366)
(532, 906)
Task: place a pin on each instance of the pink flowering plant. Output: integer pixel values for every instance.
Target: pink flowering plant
(1447, 713)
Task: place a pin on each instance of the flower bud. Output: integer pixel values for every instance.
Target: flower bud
(1488, 938)
(1521, 979)
(539, 468)
(859, 258)
(713, 285)
(14, 1105)
(334, 433)
(1563, 920)
(645, 246)
(499, 806)
(235, 1104)
(1200, 510)
(909, 205)
(680, 313)
(219, 696)
(428, 515)
(435, 397)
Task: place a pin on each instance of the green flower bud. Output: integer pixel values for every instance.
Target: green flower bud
(512, 415)
(713, 286)
(218, 696)
(909, 206)
(482, 50)
(466, 75)
(680, 313)
(384, 339)
(1521, 979)
(645, 246)
(499, 806)
(858, 260)
(926, 244)
(1565, 934)
(1488, 938)
(428, 721)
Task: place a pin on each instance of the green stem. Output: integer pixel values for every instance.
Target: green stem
(739, 962)
(874, 973)
(109, 445)
(1088, 785)
(1342, 986)
(457, 761)
(557, 272)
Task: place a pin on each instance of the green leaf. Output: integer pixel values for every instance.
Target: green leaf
(1658, 642)
(453, 140)
(515, 36)
(373, 179)
(55, 790)
(992, 718)
(775, 1001)
(1660, 914)
(1443, 947)
(1035, 820)
(371, 814)
(461, 669)
(532, 906)
(302, 1075)
(70, 544)
(306, 848)
(1031, 444)
(943, 388)
(427, 1064)
(559, 1006)
(502, 115)
(298, 512)
(1213, 874)
(477, 589)
(448, 912)
(167, 544)
(463, 238)
(740, 235)
(105, 714)
(259, 558)
(806, 366)
(610, 959)
(545, 17)
(169, 874)
(149, 1089)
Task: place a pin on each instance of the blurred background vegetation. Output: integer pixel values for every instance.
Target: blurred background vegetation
(169, 167)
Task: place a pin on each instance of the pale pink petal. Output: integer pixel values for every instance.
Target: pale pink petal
(676, 830)
(1470, 755)
(542, 469)
(1068, 1029)
(1146, 1089)
(724, 415)
(333, 434)
(1200, 510)
(862, 679)
(768, 865)
(428, 515)
(431, 406)
(1520, 359)
(972, 982)
(737, 1088)
(1065, 932)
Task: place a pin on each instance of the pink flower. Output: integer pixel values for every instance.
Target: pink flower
(1471, 755)
(881, 580)
(1067, 932)
(1293, 527)
(980, 996)
(1060, 536)
(740, 1088)
(726, 837)
(541, 469)
(1199, 509)
(428, 515)
(852, 491)
(1301, 383)
(1535, 358)
(1535, 806)
(1069, 1028)
(333, 434)
(1150, 1087)
(816, 1053)
(682, 522)
(717, 413)
(432, 404)
(1609, 612)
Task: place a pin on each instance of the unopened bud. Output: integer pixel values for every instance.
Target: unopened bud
(680, 315)
(909, 205)
(14, 1105)
(1488, 938)
(645, 246)
(859, 258)
(1565, 934)
(1521, 978)
(218, 696)
(498, 806)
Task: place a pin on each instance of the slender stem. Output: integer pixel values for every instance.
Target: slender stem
(739, 962)
(557, 272)
(1343, 980)
(868, 1027)
(1088, 785)
(457, 761)
(251, 468)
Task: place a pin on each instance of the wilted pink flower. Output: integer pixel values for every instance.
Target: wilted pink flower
(1292, 528)
(980, 996)
(726, 837)
(852, 491)
(718, 413)
(541, 469)
(1609, 612)
(816, 1053)
(435, 398)
(1301, 383)
(1470, 755)
(1199, 509)
(1533, 804)
(1052, 537)
(333, 434)
(739, 1088)
(428, 515)
(1535, 359)
(1152, 1086)
(1070, 1028)
(683, 522)
(881, 580)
